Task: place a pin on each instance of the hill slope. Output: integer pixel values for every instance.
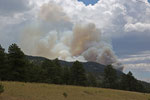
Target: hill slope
(93, 67)
(34, 91)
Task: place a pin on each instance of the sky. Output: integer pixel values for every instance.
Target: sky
(87, 2)
(115, 30)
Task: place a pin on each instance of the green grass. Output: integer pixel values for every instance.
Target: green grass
(35, 91)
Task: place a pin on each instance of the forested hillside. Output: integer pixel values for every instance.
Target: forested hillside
(16, 66)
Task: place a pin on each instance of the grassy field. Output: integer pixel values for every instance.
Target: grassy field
(34, 91)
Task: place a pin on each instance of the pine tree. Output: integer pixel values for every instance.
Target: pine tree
(2, 55)
(123, 82)
(35, 73)
(91, 80)
(58, 71)
(1, 88)
(3, 64)
(130, 83)
(110, 77)
(17, 62)
(53, 72)
(78, 74)
(66, 77)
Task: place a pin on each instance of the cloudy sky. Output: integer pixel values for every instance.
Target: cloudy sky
(52, 28)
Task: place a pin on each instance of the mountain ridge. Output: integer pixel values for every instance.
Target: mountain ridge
(93, 67)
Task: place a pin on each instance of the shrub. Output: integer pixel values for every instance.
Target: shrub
(1, 88)
(65, 94)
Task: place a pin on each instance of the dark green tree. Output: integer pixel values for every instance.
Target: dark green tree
(17, 63)
(2, 55)
(3, 69)
(66, 77)
(35, 73)
(78, 74)
(110, 77)
(56, 61)
(91, 80)
(1, 88)
(130, 83)
(58, 71)
(52, 71)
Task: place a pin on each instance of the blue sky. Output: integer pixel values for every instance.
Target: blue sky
(87, 2)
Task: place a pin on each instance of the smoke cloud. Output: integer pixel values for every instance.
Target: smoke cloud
(54, 35)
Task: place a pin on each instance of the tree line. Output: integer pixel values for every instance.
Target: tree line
(14, 66)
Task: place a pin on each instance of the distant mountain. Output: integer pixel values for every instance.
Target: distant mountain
(35, 59)
(92, 67)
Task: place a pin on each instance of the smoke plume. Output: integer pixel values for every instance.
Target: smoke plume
(54, 35)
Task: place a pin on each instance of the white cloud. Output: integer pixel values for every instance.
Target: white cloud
(139, 64)
(140, 70)
(8, 7)
(147, 80)
(141, 27)
(115, 18)
(137, 58)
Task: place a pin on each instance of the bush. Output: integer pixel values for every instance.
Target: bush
(65, 94)
(1, 88)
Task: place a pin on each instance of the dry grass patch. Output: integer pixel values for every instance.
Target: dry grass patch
(35, 91)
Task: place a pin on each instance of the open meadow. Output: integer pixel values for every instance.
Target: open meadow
(37, 91)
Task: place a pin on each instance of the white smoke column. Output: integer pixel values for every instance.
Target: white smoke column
(53, 35)
(107, 57)
(45, 36)
(83, 38)
(88, 42)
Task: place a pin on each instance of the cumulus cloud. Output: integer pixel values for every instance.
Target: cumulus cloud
(141, 27)
(143, 56)
(138, 64)
(140, 70)
(8, 7)
(135, 59)
(115, 18)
